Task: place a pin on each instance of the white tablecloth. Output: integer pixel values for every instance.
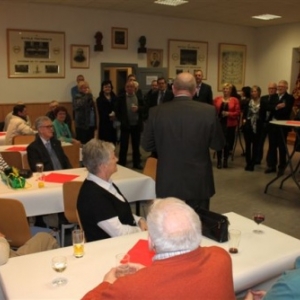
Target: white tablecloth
(39, 201)
(260, 258)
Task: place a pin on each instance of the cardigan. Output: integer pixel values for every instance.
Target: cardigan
(62, 131)
(233, 110)
(204, 273)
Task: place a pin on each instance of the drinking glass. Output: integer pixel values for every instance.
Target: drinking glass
(122, 264)
(59, 264)
(258, 218)
(39, 167)
(78, 243)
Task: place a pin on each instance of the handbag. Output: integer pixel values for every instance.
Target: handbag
(214, 225)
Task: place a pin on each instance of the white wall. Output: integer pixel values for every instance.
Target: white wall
(80, 26)
(277, 55)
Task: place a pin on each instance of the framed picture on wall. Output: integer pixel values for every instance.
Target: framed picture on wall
(119, 38)
(80, 56)
(35, 54)
(232, 65)
(187, 56)
(154, 58)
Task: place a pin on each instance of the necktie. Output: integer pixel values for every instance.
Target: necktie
(198, 89)
(160, 97)
(56, 163)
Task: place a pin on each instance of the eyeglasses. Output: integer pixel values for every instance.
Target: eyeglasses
(48, 126)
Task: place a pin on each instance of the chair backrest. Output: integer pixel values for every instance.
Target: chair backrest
(13, 159)
(23, 139)
(70, 194)
(72, 152)
(25, 161)
(79, 221)
(150, 167)
(13, 222)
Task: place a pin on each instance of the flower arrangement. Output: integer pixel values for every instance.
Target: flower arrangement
(12, 178)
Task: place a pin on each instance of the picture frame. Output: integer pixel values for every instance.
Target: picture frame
(80, 56)
(35, 54)
(187, 56)
(232, 65)
(155, 58)
(119, 38)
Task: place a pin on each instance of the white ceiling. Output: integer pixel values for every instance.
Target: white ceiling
(237, 12)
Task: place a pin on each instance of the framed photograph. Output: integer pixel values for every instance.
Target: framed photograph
(35, 54)
(80, 56)
(155, 58)
(119, 38)
(187, 56)
(232, 65)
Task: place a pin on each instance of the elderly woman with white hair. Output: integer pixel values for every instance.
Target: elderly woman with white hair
(103, 210)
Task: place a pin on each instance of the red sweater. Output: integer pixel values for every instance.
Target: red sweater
(205, 273)
(233, 110)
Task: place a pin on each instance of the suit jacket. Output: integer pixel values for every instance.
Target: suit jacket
(151, 101)
(181, 132)
(205, 94)
(37, 153)
(122, 115)
(283, 113)
(264, 113)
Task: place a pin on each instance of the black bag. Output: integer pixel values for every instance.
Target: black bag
(214, 225)
(25, 173)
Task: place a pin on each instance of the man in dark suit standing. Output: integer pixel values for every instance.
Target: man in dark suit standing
(162, 95)
(46, 148)
(181, 132)
(280, 107)
(203, 90)
(264, 116)
(129, 111)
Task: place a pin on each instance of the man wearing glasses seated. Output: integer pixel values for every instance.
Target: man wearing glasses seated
(46, 149)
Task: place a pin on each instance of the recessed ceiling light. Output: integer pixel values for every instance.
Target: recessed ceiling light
(171, 2)
(266, 17)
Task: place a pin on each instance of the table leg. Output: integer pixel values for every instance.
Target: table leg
(288, 163)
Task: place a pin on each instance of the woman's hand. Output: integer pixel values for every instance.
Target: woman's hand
(143, 224)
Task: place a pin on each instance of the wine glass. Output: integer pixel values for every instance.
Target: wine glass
(258, 218)
(59, 264)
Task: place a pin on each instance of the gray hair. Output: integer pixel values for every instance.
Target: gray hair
(95, 153)
(173, 226)
(40, 121)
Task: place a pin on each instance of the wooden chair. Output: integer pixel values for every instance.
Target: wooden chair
(23, 139)
(150, 167)
(13, 159)
(14, 224)
(25, 161)
(70, 194)
(72, 152)
(149, 170)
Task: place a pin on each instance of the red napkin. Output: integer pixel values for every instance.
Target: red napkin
(16, 148)
(59, 178)
(293, 122)
(2, 133)
(141, 254)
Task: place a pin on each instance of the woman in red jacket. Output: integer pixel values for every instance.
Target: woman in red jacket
(228, 111)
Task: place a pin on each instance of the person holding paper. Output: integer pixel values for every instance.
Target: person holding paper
(103, 210)
(181, 268)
